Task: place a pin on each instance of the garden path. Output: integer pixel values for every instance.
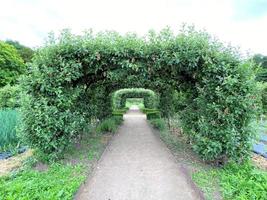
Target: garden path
(137, 165)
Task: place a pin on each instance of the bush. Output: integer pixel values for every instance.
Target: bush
(153, 115)
(9, 96)
(219, 121)
(158, 124)
(147, 110)
(109, 125)
(119, 113)
(9, 119)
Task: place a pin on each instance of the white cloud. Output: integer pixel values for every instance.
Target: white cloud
(29, 21)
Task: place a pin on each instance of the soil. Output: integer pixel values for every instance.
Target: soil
(260, 161)
(12, 163)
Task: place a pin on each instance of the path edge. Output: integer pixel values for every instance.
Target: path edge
(78, 193)
(198, 192)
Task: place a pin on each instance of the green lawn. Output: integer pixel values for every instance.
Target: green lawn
(60, 181)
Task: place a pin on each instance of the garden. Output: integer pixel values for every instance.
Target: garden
(64, 102)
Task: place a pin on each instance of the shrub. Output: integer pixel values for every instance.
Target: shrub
(147, 110)
(118, 120)
(158, 124)
(8, 121)
(219, 121)
(153, 115)
(9, 97)
(118, 114)
(109, 125)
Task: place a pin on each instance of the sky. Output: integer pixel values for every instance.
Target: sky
(242, 23)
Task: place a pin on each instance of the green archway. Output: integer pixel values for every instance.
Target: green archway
(72, 79)
(120, 96)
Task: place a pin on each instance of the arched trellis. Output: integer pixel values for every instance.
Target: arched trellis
(72, 79)
(149, 96)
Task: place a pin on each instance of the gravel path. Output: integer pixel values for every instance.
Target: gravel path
(137, 166)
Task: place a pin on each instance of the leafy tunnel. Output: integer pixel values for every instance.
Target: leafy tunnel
(72, 79)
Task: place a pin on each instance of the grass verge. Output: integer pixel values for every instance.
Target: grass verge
(58, 180)
(231, 182)
(109, 125)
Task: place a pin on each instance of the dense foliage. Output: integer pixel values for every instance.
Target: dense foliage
(120, 97)
(26, 53)
(261, 76)
(11, 64)
(71, 81)
(158, 124)
(261, 60)
(109, 125)
(243, 182)
(9, 96)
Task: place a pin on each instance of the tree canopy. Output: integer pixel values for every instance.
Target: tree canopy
(11, 64)
(25, 52)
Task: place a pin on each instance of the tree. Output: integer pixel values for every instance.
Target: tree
(25, 52)
(11, 64)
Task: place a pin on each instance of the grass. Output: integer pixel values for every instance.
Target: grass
(8, 122)
(158, 124)
(243, 182)
(207, 180)
(235, 181)
(61, 180)
(109, 125)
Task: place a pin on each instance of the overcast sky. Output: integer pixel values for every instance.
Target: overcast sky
(241, 22)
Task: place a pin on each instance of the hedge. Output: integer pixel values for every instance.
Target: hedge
(72, 78)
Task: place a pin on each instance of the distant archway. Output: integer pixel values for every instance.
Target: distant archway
(120, 96)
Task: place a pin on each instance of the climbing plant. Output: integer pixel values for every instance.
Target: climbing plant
(72, 79)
